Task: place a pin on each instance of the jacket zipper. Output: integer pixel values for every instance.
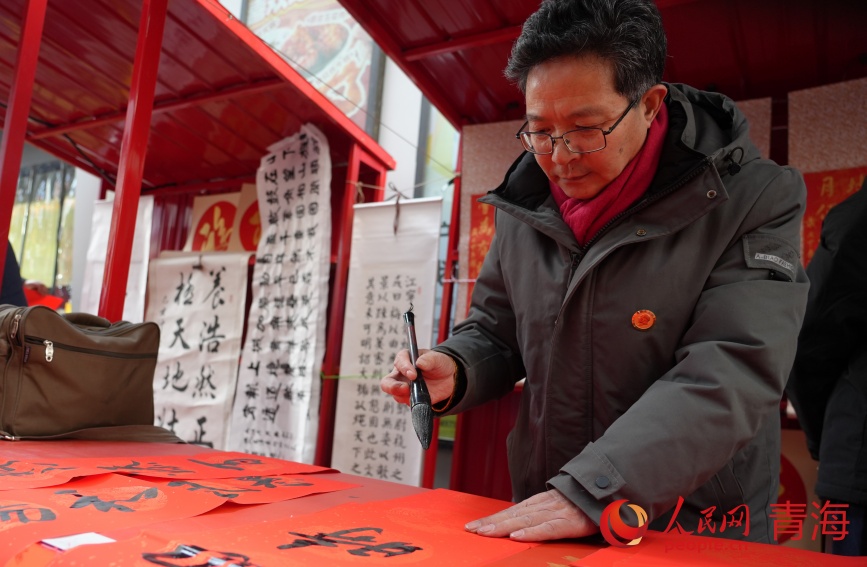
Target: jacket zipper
(51, 345)
(582, 250)
(644, 203)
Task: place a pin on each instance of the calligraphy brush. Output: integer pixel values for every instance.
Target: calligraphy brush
(419, 397)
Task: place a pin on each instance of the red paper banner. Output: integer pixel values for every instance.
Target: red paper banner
(427, 528)
(95, 503)
(19, 474)
(259, 489)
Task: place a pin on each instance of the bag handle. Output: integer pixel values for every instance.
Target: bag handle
(87, 320)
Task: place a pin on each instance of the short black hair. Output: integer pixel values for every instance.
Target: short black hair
(628, 33)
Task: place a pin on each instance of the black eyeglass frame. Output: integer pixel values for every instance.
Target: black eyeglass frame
(521, 132)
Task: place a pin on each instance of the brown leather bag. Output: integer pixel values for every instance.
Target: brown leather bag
(76, 376)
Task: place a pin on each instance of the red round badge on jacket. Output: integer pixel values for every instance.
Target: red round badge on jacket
(643, 319)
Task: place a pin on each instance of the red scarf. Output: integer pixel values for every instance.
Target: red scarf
(586, 217)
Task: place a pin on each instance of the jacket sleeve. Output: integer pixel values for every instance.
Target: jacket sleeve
(728, 372)
(485, 344)
(833, 329)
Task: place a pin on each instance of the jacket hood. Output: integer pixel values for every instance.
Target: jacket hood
(703, 126)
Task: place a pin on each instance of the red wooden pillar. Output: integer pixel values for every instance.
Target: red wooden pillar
(132, 156)
(445, 322)
(15, 125)
(341, 246)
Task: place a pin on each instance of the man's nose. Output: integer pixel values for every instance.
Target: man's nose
(562, 155)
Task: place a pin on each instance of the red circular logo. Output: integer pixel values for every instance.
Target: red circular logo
(617, 532)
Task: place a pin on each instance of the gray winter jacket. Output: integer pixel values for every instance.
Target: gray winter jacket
(686, 408)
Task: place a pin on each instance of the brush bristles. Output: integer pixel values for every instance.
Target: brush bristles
(422, 422)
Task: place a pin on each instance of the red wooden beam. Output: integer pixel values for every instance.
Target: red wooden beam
(384, 38)
(337, 301)
(166, 106)
(459, 44)
(15, 126)
(133, 148)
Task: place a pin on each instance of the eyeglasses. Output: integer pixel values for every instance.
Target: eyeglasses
(578, 141)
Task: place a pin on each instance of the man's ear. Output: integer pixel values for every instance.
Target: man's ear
(651, 102)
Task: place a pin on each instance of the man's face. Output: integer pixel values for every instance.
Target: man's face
(566, 93)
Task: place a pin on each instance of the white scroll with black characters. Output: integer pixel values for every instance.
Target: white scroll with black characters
(276, 410)
(198, 302)
(390, 270)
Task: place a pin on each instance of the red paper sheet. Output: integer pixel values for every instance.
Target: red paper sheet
(259, 489)
(422, 529)
(16, 473)
(95, 503)
(659, 549)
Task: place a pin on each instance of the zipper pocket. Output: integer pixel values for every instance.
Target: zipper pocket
(51, 345)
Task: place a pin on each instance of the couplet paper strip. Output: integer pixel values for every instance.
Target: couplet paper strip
(425, 529)
(260, 489)
(662, 549)
(389, 271)
(92, 504)
(276, 410)
(134, 301)
(198, 302)
(23, 473)
(213, 222)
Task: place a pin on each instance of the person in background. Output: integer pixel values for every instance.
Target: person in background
(644, 277)
(12, 292)
(828, 384)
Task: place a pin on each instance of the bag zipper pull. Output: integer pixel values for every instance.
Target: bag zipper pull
(15, 322)
(8, 437)
(49, 351)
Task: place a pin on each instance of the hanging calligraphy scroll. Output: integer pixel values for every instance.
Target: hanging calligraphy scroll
(276, 410)
(198, 302)
(388, 270)
(134, 302)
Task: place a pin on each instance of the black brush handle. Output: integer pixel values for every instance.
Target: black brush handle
(418, 393)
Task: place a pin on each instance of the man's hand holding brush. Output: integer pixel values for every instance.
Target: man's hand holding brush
(438, 370)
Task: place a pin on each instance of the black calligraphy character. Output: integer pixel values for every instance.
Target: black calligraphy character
(220, 492)
(24, 514)
(273, 216)
(271, 196)
(270, 413)
(170, 424)
(271, 176)
(217, 290)
(363, 545)
(252, 390)
(204, 386)
(178, 336)
(314, 186)
(199, 436)
(314, 167)
(313, 209)
(302, 189)
(109, 505)
(185, 289)
(272, 481)
(175, 379)
(209, 337)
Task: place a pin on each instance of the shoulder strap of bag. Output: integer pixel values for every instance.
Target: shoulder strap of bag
(138, 433)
